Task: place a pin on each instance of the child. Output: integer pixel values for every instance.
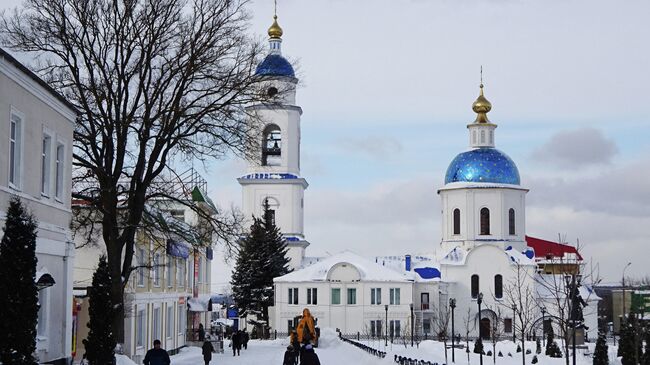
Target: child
(289, 356)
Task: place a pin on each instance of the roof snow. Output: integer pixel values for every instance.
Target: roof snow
(369, 270)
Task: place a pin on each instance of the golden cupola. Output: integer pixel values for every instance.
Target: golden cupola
(481, 107)
(275, 32)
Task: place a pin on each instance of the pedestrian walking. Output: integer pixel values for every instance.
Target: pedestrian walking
(289, 356)
(201, 332)
(207, 350)
(156, 355)
(244, 340)
(235, 342)
(308, 356)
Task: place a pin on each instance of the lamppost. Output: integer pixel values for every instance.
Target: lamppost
(386, 325)
(412, 325)
(479, 300)
(514, 320)
(543, 326)
(625, 268)
(452, 305)
(572, 283)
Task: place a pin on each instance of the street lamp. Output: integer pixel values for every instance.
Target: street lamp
(514, 320)
(573, 282)
(543, 326)
(412, 325)
(479, 300)
(452, 305)
(386, 325)
(625, 268)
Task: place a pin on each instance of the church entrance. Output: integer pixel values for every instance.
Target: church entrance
(484, 329)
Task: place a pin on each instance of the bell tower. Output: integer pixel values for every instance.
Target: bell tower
(273, 177)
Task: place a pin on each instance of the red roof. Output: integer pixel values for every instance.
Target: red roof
(543, 248)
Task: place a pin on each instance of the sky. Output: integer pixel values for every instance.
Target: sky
(386, 89)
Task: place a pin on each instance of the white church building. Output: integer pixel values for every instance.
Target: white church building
(483, 245)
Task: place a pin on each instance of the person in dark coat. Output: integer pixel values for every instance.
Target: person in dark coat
(244, 339)
(201, 332)
(308, 356)
(156, 355)
(235, 342)
(207, 350)
(289, 356)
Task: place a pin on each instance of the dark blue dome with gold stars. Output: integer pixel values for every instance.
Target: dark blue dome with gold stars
(487, 165)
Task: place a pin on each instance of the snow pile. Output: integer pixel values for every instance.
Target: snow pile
(328, 338)
(124, 360)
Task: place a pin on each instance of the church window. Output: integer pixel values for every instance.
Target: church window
(482, 137)
(352, 296)
(511, 221)
(491, 137)
(485, 221)
(272, 146)
(474, 137)
(312, 296)
(507, 324)
(498, 286)
(293, 296)
(336, 295)
(456, 221)
(474, 286)
(272, 91)
(375, 296)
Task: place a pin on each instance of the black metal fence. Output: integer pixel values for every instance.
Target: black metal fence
(403, 360)
(366, 348)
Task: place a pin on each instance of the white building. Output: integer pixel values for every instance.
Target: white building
(483, 249)
(35, 165)
(159, 298)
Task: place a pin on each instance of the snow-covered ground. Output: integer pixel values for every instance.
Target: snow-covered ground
(332, 351)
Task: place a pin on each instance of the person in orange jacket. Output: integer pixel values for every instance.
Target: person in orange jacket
(305, 329)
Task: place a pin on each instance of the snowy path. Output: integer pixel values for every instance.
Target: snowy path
(331, 351)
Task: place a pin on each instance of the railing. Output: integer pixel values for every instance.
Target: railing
(403, 360)
(366, 348)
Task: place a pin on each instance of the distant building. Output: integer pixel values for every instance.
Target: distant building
(168, 295)
(36, 131)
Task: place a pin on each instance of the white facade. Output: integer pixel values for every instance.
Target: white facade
(36, 132)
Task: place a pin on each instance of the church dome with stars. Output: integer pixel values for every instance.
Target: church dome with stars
(487, 165)
(483, 163)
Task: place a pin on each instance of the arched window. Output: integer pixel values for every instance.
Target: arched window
(482, 137)
(491, 137)
(272, 146)
(511, 221)
(485, 221)
(498, 286)
(474, 286)
(456, 221)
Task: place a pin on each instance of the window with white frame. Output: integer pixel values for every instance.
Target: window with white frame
(141, 263)
(375, 296)
(156, 323)
(352, 296)
(43, 302)
(336, 296)
(156, 269)
(395, 328)
(180, 270)
(170, 271)
(375, 328)
(182, 319)
(293, 296)
(200, 270)
(141, 322)
(394, 296)
(46, 163)
(312, 296)
(15, 149)
(60, 164)
(169, 328)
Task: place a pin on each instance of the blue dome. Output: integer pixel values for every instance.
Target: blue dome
(483, 165)
(274, 65)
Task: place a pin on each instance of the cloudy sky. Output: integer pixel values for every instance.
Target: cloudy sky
(387, 88)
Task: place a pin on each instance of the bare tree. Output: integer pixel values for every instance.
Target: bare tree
(554, 293)
(496, 330)
(468, 320)
(156, 83)
(441, 321)
(520, 295)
